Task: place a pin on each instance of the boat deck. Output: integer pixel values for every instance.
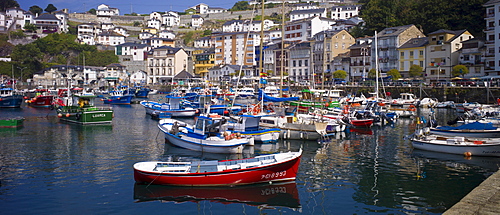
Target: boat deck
(213, 166)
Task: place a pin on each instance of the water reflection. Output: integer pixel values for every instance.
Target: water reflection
(274, 195)
(457, 162)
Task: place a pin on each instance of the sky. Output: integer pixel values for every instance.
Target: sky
(126, 6)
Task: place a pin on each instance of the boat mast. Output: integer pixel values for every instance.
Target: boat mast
(376, 67)
(261, 57)
(282, 45)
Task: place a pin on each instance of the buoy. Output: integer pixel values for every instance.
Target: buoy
(67, 115)
(59, 115)
(467, 154)
(226, 112)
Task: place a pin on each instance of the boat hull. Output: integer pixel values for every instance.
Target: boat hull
(11, 123)
(86, 116)
(264, 135)
(458, 148)
(119, 100)
(14, 101)
(467, 133)
(362, 123)
(285, 171)
(41, 102)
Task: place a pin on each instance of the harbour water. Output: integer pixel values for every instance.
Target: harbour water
(50, 167)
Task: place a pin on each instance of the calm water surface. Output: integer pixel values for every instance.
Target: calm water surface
(51, 167)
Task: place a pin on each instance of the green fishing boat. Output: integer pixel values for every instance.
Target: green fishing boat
(80, 108)
(11, 122)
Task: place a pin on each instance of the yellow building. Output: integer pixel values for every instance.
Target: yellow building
(203, 59)
(412, 53)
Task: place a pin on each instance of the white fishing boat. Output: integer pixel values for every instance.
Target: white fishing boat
(208, 134)
(405, 99)
(456, 144)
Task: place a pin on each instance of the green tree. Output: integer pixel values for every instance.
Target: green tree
(207, 32)
(137, 23)
(372, 74)
(19, 34)
(394, 73)
(340, 74)
(29, 57)
(50, 8)
(240, 5)
(35, 9)
(432, 15)
(415, 70)
(30, 27)
(4, 4)
(93, 11)
(190, 11)
(459, 70)
(357, 31)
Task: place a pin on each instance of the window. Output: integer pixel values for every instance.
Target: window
(402, 54)
(411, 54)
(306, 63)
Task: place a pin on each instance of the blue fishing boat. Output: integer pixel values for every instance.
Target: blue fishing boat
(9, 99)
(142, 92)
(118, 97)
(171, 108)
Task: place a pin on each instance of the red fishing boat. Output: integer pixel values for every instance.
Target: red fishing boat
(42, 99)
(260, 169)
(361, 122)
(277, 194)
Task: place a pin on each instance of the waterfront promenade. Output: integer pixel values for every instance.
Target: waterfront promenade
(484, 199)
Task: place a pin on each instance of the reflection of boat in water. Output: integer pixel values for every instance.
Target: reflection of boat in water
(489, 163)
(278, 194)
(367, 131)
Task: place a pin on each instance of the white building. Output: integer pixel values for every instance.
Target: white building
(105, 10)
(135, 51)
(303, 14)
(492, 32)
(196, 21)
(345, 12)
(201, 8)
(110, 38)
(171, 19)
(304, 6)
(154, 23)
(163, 63)
(304, 29)
(204, 42)
(166, 34)
(216, 10)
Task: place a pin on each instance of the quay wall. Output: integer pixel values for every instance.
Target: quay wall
(484, 199)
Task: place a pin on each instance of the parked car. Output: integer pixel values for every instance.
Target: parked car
(463, 82)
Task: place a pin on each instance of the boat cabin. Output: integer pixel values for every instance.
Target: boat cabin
(212, 125)
(6, 92)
